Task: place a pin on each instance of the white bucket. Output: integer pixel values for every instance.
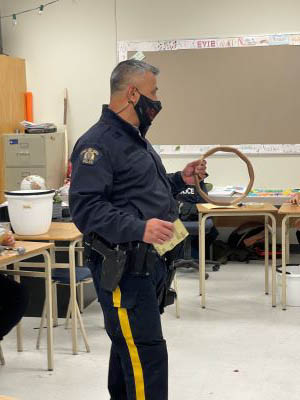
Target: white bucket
(292, 284)
(30, 211)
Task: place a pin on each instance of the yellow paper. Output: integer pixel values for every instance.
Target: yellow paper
(210, 206)
(180, 233)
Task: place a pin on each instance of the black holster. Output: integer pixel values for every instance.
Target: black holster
(113, 264)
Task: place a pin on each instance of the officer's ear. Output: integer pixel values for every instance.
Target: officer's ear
(132, 95)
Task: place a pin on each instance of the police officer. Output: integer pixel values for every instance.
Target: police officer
(122, 199)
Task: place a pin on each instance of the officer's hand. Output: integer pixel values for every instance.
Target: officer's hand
(194, 168)
(158, 231)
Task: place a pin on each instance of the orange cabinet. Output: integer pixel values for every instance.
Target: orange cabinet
(12, 102)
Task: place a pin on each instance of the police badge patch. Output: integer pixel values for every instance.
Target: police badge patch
(89, 156)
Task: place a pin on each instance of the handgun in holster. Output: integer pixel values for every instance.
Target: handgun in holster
(113, 264)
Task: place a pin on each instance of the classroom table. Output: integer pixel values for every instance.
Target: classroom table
(289, 211)
(276, 200)
(67, 232)
(267, 211)
(33, 249)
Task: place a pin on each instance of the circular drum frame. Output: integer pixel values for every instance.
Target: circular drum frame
(236, 200)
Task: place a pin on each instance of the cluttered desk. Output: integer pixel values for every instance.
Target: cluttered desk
(272, 196)
(29, 250)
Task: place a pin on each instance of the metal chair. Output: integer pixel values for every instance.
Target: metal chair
(61, 276)
(187, 261)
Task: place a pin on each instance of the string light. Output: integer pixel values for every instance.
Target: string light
(39, 8)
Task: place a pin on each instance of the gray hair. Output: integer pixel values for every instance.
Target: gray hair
(123, 73)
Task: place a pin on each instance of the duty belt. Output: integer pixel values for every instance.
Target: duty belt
(140, 256)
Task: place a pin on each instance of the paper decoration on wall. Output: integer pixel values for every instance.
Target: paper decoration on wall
(207, 43)
(139, 55)
(245, 148)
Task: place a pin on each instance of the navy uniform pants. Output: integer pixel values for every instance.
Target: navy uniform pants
(138, 366)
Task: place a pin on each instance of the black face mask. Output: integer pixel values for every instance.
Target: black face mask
(146, 110)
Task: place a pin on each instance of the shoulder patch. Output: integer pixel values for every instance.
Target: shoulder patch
(89, 156)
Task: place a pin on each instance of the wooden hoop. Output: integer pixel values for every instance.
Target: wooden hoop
(236, 200)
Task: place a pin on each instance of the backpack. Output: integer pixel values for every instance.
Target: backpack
(250, 237)
(247, 235)
(223, 253)
(241, 243)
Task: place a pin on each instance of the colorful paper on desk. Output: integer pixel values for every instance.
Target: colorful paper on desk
(210, 206)
(180, 233)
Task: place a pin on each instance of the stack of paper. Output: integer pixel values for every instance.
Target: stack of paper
(227, 191)
(221, 191)
(236, 189)
(40, 127)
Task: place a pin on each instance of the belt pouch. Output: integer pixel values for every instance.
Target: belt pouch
(112, 270)
(138, 259)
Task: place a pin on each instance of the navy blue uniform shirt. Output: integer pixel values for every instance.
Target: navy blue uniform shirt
(118, 182)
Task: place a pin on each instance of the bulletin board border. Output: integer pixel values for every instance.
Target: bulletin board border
(250, 149)
(282, 39)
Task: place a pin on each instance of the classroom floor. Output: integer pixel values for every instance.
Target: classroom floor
(239, 348)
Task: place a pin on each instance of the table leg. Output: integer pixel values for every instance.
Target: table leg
(283, 267)
(48, 282)
(73, 296)
(81, 293)
(80, 255)
(200, 249)
(202, 259)
(54, 293)
(287, 242)
(273, 231)
(266, 256)
(19, 325)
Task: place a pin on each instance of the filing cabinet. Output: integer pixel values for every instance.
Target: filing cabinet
(33, 154)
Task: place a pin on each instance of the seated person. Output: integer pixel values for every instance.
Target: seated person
(295, 199)
(13, 295)
(187, 200)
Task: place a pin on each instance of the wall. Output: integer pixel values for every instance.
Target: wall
(177, 19)
(72, 45)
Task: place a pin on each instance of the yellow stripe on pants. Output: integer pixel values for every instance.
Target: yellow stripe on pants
(134, 355)
(117, 297)
(133, 352)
